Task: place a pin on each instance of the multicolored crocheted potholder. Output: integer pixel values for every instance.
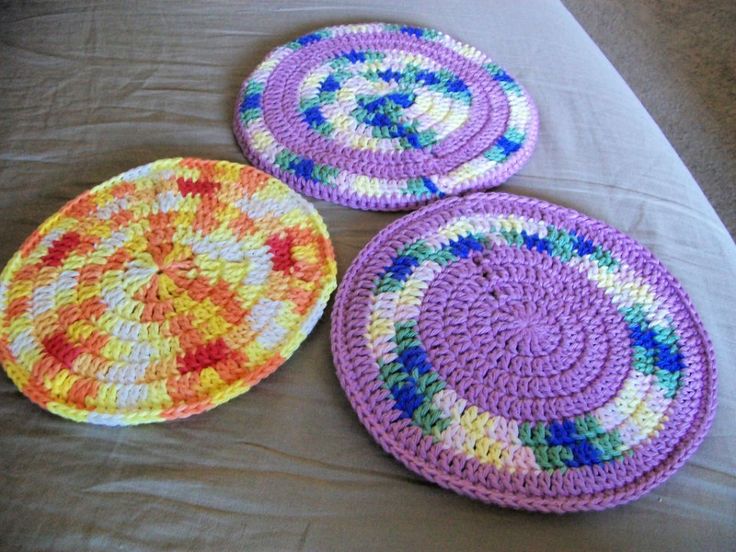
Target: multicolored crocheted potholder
(384, 117)
(523, 354)
(163, 292)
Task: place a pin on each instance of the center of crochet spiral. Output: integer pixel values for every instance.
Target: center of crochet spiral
(525, 327)
(383, 100)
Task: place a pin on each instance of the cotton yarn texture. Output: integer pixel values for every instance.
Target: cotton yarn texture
(523, 354)
(384, 117)
(163, 292)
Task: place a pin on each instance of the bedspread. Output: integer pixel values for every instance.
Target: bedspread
(88, 90)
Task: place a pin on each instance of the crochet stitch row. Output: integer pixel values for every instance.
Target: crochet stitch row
(163, 292)
(384, 117)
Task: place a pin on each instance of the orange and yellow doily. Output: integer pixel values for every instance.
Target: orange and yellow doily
(163, 292)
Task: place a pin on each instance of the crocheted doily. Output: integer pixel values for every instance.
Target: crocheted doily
(163, 292)
(384, 117)
(523, 354)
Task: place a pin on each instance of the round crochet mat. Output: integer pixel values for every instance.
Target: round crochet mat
(163, 292)
(384, 117)
(523, 354)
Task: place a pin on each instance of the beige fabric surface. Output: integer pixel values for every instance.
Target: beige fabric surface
(90, 90)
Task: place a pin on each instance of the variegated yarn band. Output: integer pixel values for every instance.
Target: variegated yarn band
(163, 292)
(384, 117)
(523, 354)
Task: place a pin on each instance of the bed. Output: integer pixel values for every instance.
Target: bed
(91, 89)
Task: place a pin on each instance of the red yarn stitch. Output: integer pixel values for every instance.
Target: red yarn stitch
(60, 249)
(281, 252)
(197, 187)
(58, 346)
(203, 356)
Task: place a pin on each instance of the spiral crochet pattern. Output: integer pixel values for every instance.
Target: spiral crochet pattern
(163, 292)
(523, 354)
(384, 117)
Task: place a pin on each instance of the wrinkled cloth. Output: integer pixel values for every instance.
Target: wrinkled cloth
(89, 90)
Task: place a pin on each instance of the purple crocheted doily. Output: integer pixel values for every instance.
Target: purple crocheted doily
(523, 354)
(384, 117)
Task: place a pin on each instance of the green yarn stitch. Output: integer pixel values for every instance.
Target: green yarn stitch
(307, 103)
(511, 87)
(588, 427)
(492, 69)
(644, 361)
(533, 435)
(284, 159)
(416, 187)
(609, 445)
(515, 135)
(324, 174)
(495, 154)
(405, 336)
(254, 87)
(513, 237)
(634, 315)
(294, 44)
(669, 381)
(387, 284)
(253, 113)
(391, 373)
(552, 457)
(418, 249)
